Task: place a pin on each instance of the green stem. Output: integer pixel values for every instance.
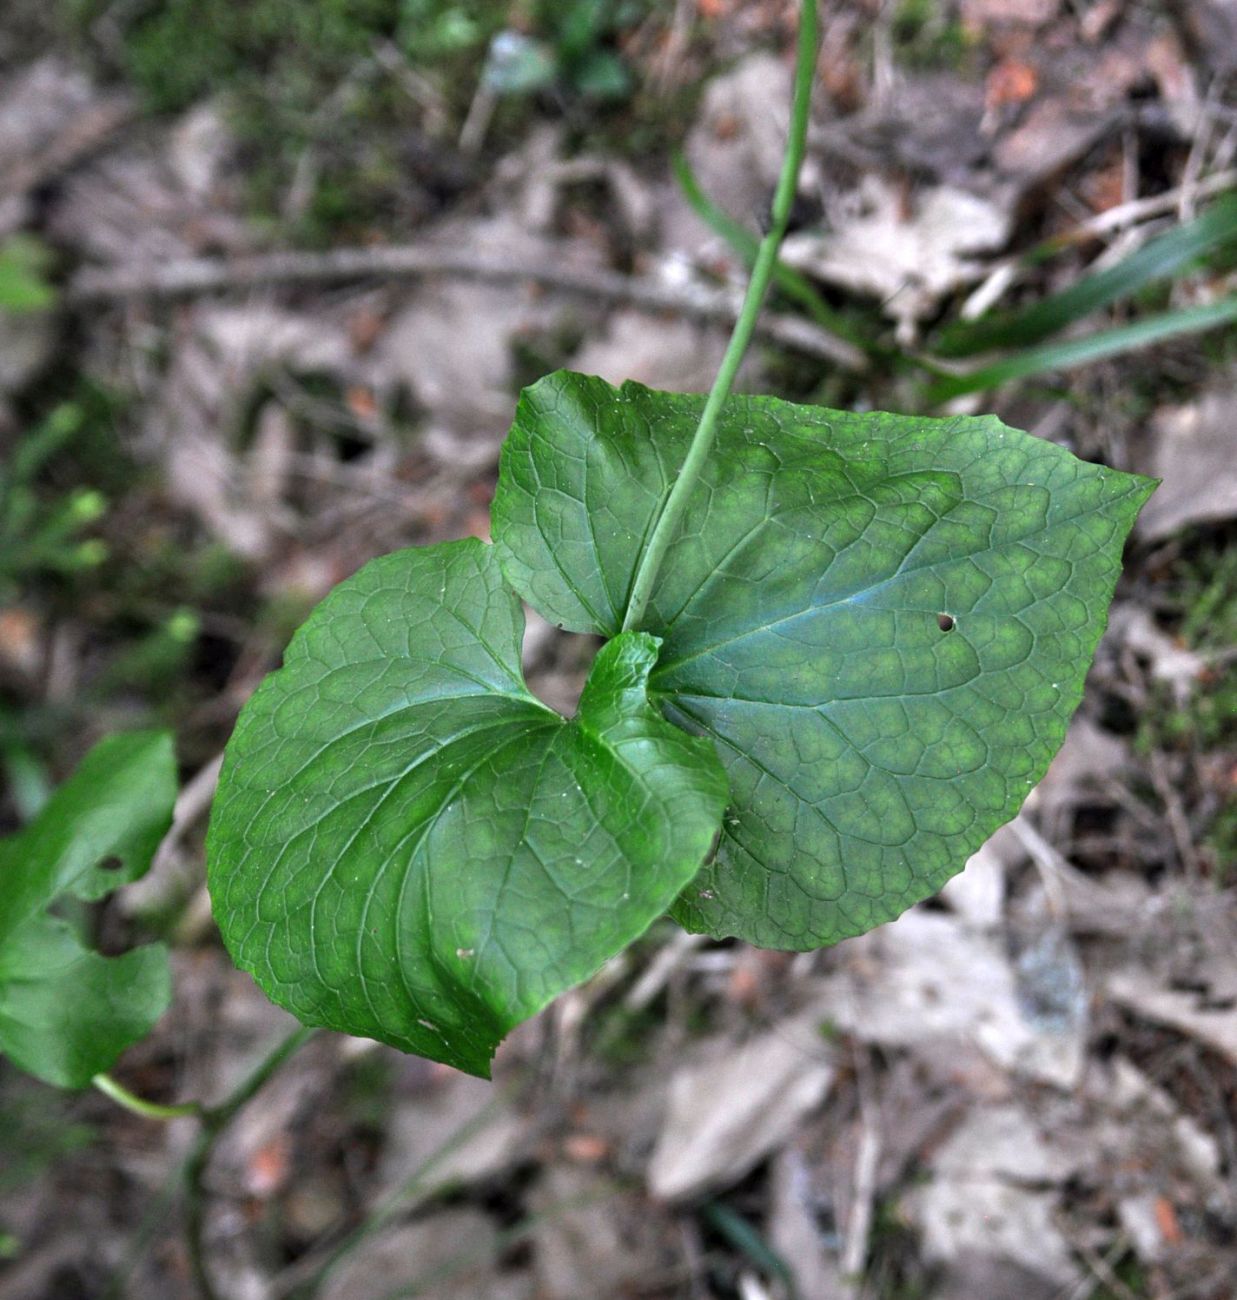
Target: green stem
(214, 1120)
(793, 285)
(191, 1173)
(139, 1105)
(758, 286)
(305, 1278)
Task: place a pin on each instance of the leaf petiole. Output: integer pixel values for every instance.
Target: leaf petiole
(121, 1095)
(763, 269)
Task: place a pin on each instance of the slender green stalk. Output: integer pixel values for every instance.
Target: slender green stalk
(190, 1173)
(139, 1105)
(795, 286)
(758, 286)
(214, 1120)
(306, 1278)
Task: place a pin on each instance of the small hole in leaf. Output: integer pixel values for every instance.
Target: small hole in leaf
(945, 622)
(111, 863)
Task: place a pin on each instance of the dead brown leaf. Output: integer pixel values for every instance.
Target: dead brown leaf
(736, 1104)
(1193, 448)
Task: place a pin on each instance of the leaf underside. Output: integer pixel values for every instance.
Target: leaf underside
(883, 623)
(407, 845)
(66, 1013)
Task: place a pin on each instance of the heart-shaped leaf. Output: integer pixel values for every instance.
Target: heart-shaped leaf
(407, 845)
(66, 1013)
(882, 622)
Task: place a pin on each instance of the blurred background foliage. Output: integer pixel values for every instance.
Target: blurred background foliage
(354, 78)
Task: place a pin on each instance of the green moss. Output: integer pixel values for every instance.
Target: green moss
(929, 35)
(302, 78)
(185, 50)
(312, 93)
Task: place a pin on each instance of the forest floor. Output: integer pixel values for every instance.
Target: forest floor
(1025, 1088)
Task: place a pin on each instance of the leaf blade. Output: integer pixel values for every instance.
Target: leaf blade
(467, 853)
(800, 614)
(66, 1013)
(51, 1023)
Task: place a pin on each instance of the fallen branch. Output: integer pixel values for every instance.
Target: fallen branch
(192, 276)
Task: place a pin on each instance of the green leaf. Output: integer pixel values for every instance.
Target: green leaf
(882, 622)
(407, 845)
(67, 1013)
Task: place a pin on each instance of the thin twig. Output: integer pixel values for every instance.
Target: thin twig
(1178, 823)
(1009, 270)
(658, 972)
(477, 122)
(192, 802)
(863, 1199)
(1051, 865)
(1198, 152)
(1101, 1270)
(1157, 205)
(189, 277)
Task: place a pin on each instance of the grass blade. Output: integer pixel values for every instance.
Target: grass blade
(798, 288)
(1157, 260)
(748, 1241)
(1094, 347)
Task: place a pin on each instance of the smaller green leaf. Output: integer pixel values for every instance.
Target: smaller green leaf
(408, 846)
(67, 1013)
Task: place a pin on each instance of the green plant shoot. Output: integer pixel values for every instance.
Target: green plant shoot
(841, 649)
